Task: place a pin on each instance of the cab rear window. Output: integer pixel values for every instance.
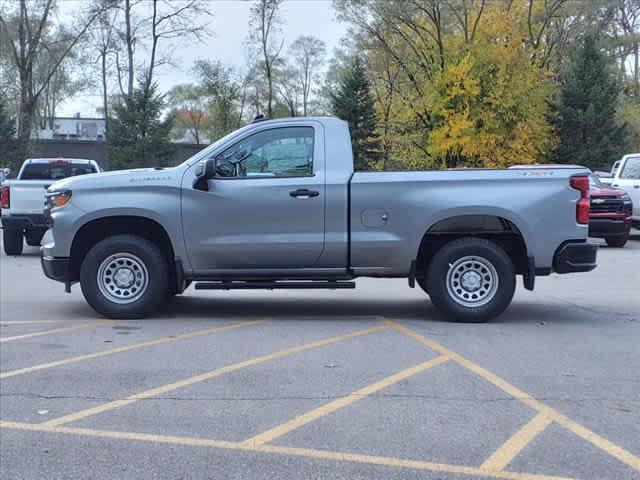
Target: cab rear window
(55, 170)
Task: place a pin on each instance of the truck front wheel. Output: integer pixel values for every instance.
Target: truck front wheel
(471, 280)
(617, 242)
(125, 276)
(12, 240)
(34, 237)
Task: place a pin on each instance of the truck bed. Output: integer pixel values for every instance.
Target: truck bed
(392, 211)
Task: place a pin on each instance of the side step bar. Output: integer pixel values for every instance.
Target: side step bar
(271, 285)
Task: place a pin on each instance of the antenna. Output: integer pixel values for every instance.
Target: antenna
(259, 118)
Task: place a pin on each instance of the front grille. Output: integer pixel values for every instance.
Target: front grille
(608, 205)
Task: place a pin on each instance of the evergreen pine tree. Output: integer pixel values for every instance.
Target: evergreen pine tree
(137, 135)
(586, 123)
(354, 103)
(8, 142)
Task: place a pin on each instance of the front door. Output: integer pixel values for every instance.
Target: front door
(629, 180)
(265, 206)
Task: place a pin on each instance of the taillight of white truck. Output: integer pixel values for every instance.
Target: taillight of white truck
(5, 197)
(581, 183)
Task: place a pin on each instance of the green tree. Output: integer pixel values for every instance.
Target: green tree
(137, 135)
(586, 123)
(354, 103)
(224, 95)
(8, 141)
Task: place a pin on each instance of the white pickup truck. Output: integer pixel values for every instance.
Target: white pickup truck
(23, 199)
(625, 174)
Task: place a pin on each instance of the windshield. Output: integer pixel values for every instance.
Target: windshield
(56, 170)
(631, 169)
(594, 182)
(206, 152)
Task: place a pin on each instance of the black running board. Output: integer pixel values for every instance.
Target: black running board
(271, 285)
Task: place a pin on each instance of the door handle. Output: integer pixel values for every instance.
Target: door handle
(304, 193)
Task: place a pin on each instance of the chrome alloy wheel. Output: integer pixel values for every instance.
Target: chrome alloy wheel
(472, 281)
(122, 278)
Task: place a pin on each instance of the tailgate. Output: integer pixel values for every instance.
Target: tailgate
(28, 196)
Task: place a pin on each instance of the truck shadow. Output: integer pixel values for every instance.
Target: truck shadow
(190, 307)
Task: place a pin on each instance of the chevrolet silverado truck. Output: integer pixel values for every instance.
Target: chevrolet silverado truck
(23, 199)
(610, 213)
(276, 204)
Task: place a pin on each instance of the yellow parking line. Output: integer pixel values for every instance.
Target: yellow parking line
(400, 463)
(330, 407)
(126, 348)
(56, 330)
(204, 376)
(512, 447)
(583, 432)
(27, 322)
(288, 451)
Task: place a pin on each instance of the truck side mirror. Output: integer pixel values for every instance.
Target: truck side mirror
(204, 171)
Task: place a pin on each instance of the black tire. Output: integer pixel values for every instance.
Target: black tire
(617, 242)
(113, 249)
(422, 282)
(482, 262)
(33, 237)
(12, 240)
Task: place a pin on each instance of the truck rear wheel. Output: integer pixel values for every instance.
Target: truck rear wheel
(12, 241)
(471, 280)
(125, 276)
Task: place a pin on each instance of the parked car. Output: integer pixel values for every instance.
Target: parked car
(610, 213)
(23, 199)
(626, 175)
(277, 204)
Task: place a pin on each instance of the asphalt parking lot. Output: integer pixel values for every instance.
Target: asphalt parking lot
(361, 384)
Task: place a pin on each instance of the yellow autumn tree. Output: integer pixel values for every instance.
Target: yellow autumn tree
(491, 105)
(455, 93)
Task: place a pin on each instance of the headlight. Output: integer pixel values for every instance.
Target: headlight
(625, 198)
(58, 198)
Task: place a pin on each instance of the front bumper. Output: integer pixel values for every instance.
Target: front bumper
(605, 227)
(25, 222)
(56, 268)
(575, 257)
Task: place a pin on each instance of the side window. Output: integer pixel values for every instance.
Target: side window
(631, 169)
(278, 152)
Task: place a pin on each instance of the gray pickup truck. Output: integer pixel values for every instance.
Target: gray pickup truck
(276, 204)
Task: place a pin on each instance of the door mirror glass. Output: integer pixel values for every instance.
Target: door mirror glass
(204, 171)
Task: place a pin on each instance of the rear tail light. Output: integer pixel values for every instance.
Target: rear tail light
(5, 197)
(581, 183)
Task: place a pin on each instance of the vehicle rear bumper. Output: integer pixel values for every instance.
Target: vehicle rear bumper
(56, 268)
(575, 256)
(26, 221)
(605, 227)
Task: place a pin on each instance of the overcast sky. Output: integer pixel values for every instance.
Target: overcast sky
(229, 26)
